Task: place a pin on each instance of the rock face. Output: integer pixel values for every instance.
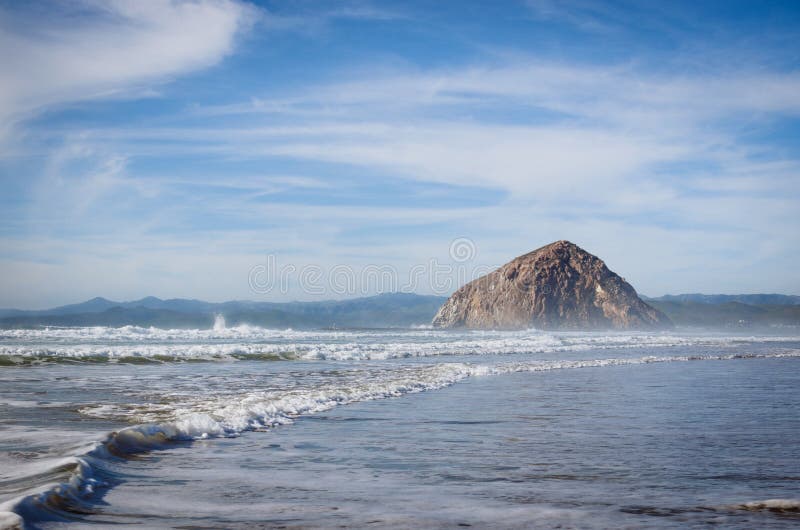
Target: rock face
(559, 286)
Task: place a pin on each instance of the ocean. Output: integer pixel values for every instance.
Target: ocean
(246, 427)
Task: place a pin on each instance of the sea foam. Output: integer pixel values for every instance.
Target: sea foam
(135, 344)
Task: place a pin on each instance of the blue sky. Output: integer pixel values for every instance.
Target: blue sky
(167, 148)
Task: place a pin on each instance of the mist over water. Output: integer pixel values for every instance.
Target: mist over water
(402, 427)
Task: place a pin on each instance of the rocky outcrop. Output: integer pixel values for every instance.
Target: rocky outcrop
(559, 286)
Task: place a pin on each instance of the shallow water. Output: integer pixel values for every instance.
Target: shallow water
(398, 429)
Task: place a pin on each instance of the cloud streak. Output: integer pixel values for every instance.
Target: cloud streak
(88, 50)
(377, 163)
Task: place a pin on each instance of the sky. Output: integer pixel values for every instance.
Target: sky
(213, 149)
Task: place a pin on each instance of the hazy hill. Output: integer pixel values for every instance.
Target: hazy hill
(729, 314)
(115, 316)
(751, 299)
(385, 310)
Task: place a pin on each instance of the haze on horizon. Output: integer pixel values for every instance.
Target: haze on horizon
(167, 147)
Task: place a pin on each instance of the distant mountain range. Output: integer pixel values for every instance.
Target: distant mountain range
(380, 311)
(384, 310)
(751, 299)
(737, 311)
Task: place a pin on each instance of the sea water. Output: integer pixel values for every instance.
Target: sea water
(252, 428)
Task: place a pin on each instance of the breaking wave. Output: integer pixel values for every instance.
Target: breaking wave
(781, 506)
(150, 345)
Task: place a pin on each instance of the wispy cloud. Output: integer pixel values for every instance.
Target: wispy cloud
(587, 129)
(88, 50)
(608, 17)
(389, 161)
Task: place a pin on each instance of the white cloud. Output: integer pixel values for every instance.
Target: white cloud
(524, 160)
(93, 49)
(587, 164)
(591, 130)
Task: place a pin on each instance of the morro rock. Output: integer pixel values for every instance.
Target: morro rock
(559, 286)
